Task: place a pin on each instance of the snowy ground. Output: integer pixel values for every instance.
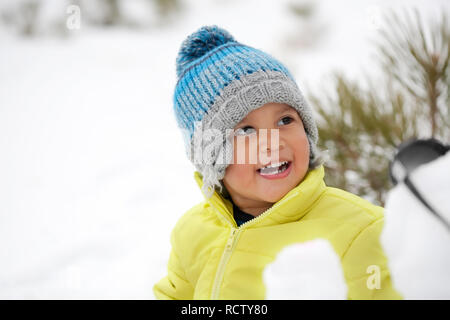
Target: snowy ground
(93, 174)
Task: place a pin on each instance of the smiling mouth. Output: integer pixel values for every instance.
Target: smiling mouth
(274, 168)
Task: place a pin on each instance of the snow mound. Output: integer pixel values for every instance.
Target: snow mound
(416, 243)
(303, 271)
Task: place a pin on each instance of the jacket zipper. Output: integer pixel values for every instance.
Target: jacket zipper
(223, 262)
(231, 244)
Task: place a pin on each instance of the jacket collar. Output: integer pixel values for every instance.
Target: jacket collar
(292, 207)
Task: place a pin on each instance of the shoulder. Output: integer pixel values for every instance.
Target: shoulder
(347, 212)
(190, 223)
(349, 203)
(191, 216)
(194, 233)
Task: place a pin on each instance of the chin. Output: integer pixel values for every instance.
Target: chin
(275, 195)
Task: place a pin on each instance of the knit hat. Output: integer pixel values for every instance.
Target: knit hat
(219, 82)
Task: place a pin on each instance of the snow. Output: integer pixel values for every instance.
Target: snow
(91, 157)
(416, 243)
(306, 271)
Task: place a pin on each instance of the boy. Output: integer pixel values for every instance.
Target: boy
(256, 207)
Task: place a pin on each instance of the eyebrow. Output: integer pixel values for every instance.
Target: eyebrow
(286, 108)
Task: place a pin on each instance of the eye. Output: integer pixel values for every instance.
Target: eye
(287, 119)
(243, 131)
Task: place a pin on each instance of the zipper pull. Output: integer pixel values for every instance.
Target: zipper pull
(230, 241)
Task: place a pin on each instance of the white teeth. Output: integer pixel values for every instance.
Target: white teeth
(273, 169)
(275, 165)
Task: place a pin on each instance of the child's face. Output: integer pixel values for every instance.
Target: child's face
(250, 190)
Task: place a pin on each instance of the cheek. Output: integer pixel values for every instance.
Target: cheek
(301, 147)
(239, 175)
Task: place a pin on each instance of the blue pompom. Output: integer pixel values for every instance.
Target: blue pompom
(199, 43)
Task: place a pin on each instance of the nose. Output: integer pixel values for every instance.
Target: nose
(269, 139)
(270, 145)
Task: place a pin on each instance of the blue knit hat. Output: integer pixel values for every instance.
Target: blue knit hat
(220, 81)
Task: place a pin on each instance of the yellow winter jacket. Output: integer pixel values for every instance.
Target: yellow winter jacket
(212, 258)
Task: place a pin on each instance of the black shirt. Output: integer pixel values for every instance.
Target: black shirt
(240, 216)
